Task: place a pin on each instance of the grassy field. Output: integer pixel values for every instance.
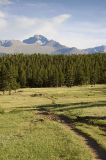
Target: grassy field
(25, 136)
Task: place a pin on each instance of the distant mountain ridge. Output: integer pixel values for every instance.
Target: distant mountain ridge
(40, 44)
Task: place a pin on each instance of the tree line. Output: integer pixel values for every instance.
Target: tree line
(39, 70)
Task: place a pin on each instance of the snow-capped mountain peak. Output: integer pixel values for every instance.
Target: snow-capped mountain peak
(40, 44)
(36, 39)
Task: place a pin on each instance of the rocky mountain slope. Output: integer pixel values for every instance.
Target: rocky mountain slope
(40, 44)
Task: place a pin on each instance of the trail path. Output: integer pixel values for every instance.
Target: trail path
(97, 152)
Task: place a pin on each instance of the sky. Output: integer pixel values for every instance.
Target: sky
(74, 23)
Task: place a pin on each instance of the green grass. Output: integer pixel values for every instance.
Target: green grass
(21, 139)
(86, 106)
(93, 131)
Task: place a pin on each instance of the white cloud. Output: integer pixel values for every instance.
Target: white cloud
(3, 22)
(61, 18)
(25, 22)
(81, 35)
(80, 40)
(86, 27)
(5, 2)
(28, 22)
(2, 14)
(22, 27)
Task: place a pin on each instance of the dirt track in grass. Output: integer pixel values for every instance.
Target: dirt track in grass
(97, 152)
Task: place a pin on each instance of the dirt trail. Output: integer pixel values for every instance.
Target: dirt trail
(97, 152)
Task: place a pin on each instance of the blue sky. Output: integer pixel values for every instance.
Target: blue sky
(74, 23)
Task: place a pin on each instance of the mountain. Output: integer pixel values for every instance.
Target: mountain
(40, 40)
(40, 44)
(100, 49)
(72, 50)
(36, 39)
(9, 43)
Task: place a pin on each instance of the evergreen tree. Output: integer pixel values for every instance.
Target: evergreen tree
(93, 78)
(69, 77)
(22, 77)
(79, 78)
(8, 79)
(3, 79)
(51, 71)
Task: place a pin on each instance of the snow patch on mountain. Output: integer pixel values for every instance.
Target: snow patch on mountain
(40, 44)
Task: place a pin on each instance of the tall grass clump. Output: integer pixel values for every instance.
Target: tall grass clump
(1, 110)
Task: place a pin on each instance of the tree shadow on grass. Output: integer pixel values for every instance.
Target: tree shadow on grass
(21, 109)
(82, 106)
(100, 152)
(46, 107)
(103, 90)
(59, 107)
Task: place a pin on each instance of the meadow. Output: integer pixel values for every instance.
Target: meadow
(27, 131)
